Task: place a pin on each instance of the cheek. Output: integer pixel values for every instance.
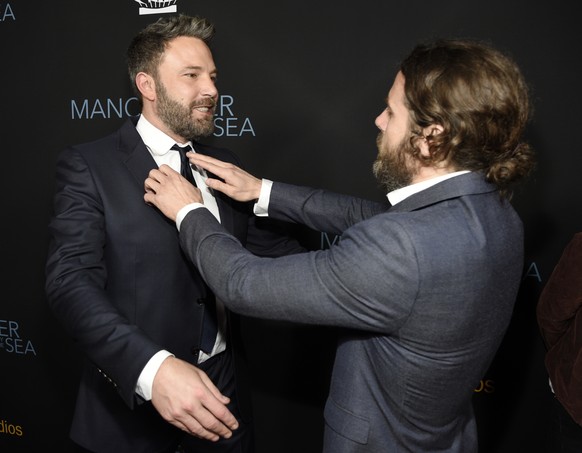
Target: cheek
(397, 133)
(390, 136)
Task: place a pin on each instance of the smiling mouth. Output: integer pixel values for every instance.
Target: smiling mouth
(205, 108)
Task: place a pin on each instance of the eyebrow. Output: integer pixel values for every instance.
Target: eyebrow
(200, 68)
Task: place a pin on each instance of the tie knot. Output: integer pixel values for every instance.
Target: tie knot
(182, 149)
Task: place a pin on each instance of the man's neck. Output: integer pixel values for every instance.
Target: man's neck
(427, 173)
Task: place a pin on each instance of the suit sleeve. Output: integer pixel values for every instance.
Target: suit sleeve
(270, 237)
(319, 209)
(76, 278)
(347, 285)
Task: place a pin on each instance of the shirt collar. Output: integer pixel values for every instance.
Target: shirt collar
(396, 196)
(157, 142)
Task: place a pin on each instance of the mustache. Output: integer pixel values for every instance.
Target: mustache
(210, 103)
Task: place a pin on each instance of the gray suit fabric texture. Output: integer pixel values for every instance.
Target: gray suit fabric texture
(426, 289)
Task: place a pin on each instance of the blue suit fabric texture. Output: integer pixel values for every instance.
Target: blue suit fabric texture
(119, 283)
(425, 288)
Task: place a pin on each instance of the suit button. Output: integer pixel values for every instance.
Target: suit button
(195, 351)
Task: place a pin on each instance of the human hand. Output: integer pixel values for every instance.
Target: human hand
(169, 191)
(186, 397)
(237, 184)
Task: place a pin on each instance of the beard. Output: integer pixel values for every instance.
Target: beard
(178, 117)
(394, 166)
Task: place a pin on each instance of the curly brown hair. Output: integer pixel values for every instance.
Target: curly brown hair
(480, 98)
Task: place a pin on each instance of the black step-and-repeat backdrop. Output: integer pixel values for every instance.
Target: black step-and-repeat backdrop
(301, 84)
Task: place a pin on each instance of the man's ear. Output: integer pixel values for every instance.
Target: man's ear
(146, 86)
(429, 131)
(433, 129)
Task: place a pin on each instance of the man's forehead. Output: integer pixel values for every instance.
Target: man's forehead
(396, 92)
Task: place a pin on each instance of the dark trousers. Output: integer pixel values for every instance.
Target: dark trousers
(564, 434)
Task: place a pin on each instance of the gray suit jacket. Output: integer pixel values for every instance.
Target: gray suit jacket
(426, 288)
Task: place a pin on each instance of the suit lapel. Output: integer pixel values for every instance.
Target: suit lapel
(457, 186)
(135, 154)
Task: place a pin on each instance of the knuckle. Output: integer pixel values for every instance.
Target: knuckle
(214, 426)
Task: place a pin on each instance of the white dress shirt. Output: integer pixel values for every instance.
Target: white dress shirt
(159, 144)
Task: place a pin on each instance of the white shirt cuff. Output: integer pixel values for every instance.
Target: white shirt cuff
(185, 210)
(261, 207)
(145, 381)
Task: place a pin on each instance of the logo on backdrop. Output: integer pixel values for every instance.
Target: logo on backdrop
(6, 13)
(226, 122)
(327, 240)
(485, 386)
(533, 272)
(157, 6)
(10, 428)
(11, 341)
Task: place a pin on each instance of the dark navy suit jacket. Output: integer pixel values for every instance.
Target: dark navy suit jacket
(121, 286)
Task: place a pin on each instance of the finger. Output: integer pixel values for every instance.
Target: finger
(210, 164)
(165, 170)
(219, 185)
(215, 403)
(151, 183)
(207, 426)
(154, 175)
(214, 389)
(161, 174)
(207, 160)
(193, 427)
(213, 434)
(150, 198)
(218, 419)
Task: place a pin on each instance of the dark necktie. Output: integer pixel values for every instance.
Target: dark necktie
(209, 328)
(185, 168)
(208, 304)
